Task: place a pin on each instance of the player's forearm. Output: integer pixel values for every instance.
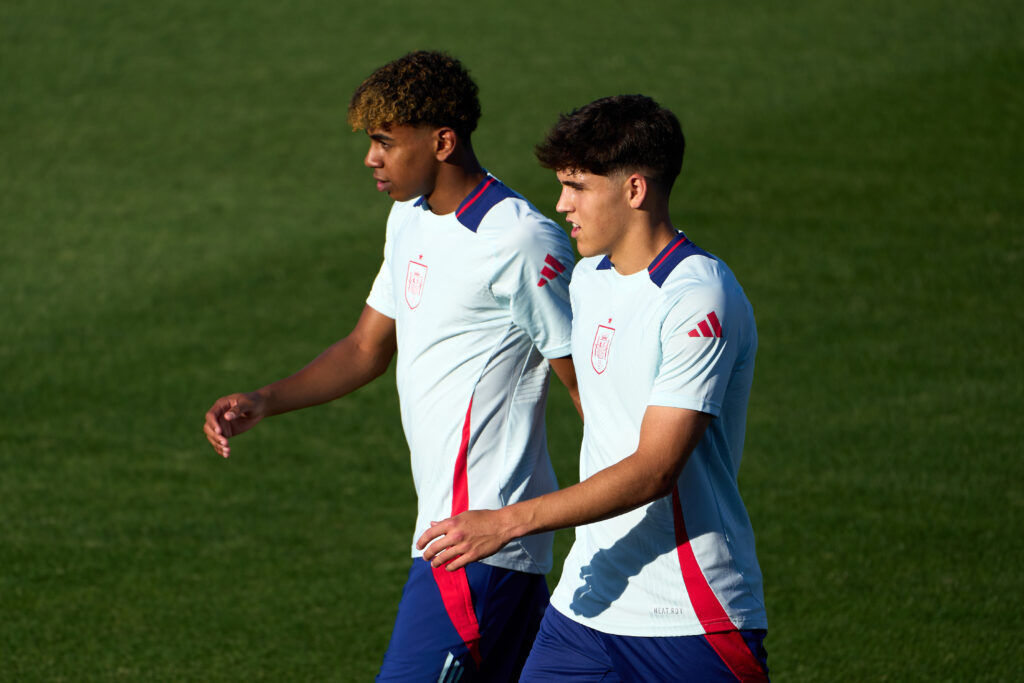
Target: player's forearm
(667, 438)
(341, 369)
(620, 488)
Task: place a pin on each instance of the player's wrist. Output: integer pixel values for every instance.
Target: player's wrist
(517, 521)
(262, 401)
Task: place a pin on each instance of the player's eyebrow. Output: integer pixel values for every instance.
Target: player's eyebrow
(574, 184)
(381, 137)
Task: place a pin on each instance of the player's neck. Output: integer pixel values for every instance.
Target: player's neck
(645, 239)
(456, 178)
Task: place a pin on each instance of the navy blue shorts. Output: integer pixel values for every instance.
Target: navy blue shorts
(474, 624)
(568, 651)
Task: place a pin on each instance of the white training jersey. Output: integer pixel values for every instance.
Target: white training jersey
(480, 300)
(679, 334)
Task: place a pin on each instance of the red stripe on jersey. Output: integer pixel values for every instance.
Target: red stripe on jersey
(475, 197)
(454, 586)
(548, 273)
(721, 633)
(736, 654)
(693, 333)
(705, 328)
(662, 259)
(553, 262)
(705, 604)
(460, 482)
(715, 325)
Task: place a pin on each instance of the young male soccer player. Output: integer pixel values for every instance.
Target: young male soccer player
(662, 583)
(473, 294)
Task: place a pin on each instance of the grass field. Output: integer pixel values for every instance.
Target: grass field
(184, 213)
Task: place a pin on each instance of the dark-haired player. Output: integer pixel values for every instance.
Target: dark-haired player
(473, 295)
(662, 583)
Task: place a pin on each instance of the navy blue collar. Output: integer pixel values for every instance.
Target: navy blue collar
(478, 202)
(666, 260)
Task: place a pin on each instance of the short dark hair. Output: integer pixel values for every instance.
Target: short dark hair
(620, 133)
(421, 88)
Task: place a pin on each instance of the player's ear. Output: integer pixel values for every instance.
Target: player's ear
(445, 141)
(636, 190)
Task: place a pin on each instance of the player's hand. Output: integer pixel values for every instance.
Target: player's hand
(466, 538)
(231, 415)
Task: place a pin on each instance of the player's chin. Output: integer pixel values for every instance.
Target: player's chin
(400, 195)
(586, 250)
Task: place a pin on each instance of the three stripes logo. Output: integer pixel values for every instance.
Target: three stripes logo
(452, 671)
(709, 327)
(550, 271)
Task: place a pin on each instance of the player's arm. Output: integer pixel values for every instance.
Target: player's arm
(343, 367)
(566, 372)
(667, 437)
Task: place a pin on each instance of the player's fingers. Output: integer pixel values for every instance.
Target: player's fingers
(456, 563)
(438, 554)
(436, 530)
(237, 409)
(217, 440)
(433, 550)
(211, 423)
(215, 433)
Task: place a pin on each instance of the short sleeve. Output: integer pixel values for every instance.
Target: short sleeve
(698, 351)
(534, 267)
(382, 293)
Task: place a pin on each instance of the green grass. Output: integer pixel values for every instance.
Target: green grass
(184, 213)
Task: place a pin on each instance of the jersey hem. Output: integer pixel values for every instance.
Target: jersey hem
(524, 567)
(695, 628)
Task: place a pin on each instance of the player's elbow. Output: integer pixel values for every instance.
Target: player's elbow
(373, 358)
(662, 484)
(663, 476)
(375, 363)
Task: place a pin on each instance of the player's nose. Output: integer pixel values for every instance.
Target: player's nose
(563, 205)
(372, 159)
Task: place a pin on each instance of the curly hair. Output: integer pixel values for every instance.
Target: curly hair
(421, 88)
(620, 133)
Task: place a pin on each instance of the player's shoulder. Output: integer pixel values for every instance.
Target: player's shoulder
(514, 222)
(701, 285)
(683, 265)
(699, 270)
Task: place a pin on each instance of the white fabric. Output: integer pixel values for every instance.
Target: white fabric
(632, 348)
(475, 322)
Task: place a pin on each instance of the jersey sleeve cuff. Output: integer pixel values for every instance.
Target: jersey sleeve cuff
(685, 402)
(378, 306)
(557, 352)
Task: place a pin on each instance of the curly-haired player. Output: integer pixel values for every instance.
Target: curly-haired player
(473, 297)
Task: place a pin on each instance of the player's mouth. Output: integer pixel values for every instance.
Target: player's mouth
(382, 185)
(575, 229)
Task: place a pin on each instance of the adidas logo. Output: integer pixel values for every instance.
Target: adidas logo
(709, 327)
(547, 273)
(452, 671)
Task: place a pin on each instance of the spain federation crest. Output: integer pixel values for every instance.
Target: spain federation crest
(415, 277)
(602, 346)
